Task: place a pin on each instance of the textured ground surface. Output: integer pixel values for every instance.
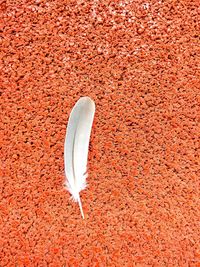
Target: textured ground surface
(139, 62)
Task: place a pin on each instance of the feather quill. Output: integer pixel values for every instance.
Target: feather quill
(76, 147)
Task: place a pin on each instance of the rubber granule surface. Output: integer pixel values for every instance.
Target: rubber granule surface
(138, 60)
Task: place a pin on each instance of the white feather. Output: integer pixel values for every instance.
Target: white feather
(76, 147)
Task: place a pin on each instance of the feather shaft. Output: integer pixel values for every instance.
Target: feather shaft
(80, 206)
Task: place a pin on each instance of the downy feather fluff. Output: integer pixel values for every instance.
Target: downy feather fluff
(76, 147)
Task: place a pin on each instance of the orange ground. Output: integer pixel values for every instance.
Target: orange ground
(138, 60)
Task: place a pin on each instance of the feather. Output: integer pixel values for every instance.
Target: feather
(76, 147)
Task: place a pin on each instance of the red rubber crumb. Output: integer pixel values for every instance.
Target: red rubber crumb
(139, 61)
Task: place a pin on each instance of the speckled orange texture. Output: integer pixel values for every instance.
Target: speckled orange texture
(139, 61)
